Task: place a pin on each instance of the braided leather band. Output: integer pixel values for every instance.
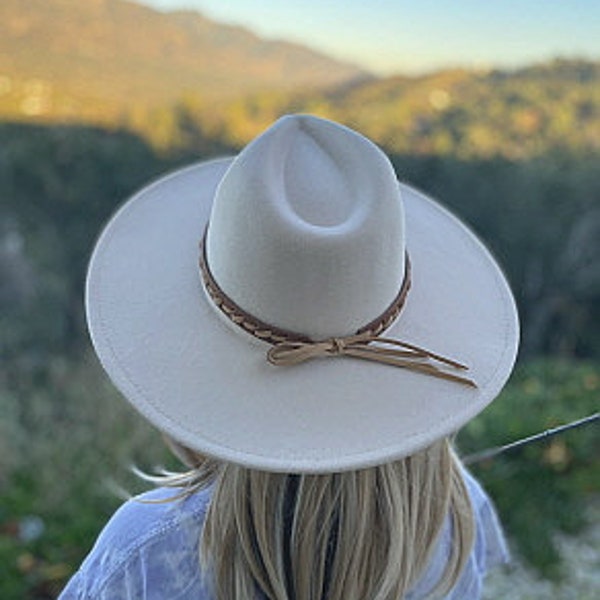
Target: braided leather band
(289, 348)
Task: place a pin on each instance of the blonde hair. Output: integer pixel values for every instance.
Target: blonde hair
(342, 536)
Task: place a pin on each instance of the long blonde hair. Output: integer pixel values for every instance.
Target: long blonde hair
(356, 535)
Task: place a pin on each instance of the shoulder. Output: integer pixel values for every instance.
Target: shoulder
(489, 546)
(150, 517)
(489, 549)
(150, 542)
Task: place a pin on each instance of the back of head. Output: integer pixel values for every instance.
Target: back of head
(352, 535)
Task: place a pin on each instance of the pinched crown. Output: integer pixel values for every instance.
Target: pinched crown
(307, 229)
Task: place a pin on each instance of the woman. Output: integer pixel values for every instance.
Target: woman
(308, 334)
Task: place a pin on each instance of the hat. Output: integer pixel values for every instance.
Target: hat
(294, 308)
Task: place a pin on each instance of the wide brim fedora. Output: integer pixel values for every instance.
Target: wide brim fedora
(204, 381)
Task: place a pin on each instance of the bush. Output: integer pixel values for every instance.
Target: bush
(543, 487)
(66, 437)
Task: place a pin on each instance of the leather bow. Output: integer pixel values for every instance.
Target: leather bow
(371, 347)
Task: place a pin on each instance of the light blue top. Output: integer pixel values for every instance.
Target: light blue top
(150, 552)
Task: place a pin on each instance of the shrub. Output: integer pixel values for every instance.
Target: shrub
(543, 487)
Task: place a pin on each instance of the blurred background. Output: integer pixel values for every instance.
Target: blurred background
(494, 108)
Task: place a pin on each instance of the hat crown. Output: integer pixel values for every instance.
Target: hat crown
(307, 229)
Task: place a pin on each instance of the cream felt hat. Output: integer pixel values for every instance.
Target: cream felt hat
(273, 309)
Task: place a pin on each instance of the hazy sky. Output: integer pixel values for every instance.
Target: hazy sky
(408, 36)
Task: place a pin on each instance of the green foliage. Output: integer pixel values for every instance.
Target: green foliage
(543, 487)
(541, 217)
(68, 435)
(59, 185)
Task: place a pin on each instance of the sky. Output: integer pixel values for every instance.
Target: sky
(402, 36)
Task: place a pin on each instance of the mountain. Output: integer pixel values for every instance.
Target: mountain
(89, 58)
(183, 80)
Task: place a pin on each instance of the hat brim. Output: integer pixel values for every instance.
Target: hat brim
(206, 383)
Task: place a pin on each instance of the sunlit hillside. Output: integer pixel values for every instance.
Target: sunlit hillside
(95, 59)
(516, 114)
(177, 77)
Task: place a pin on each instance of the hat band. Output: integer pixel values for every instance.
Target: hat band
(290, 348)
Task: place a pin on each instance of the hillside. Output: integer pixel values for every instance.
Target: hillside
(183, 80)
(90, 58)
(516, 114)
